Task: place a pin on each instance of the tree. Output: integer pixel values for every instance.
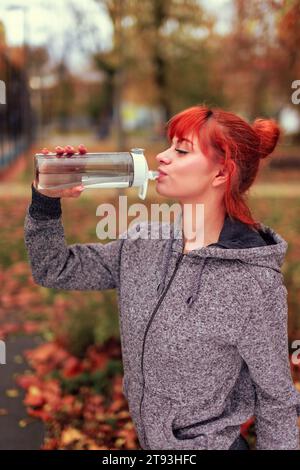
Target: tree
(173, 40)
(263, 55)
(150, 41)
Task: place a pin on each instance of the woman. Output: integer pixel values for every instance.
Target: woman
(203, 325)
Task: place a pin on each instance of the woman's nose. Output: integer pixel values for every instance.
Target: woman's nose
(163, 158)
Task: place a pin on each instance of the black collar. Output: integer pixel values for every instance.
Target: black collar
(237, 234)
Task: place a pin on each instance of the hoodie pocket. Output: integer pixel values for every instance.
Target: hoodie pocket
(182, 439)
(158, 415)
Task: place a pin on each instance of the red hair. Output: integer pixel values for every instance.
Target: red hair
(228, 139)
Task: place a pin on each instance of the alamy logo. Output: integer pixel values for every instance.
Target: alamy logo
(296, 354)
(296, 93)
(192, 224)
(2, 352)
(2, 92)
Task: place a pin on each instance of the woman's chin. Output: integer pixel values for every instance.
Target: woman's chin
(161, 190)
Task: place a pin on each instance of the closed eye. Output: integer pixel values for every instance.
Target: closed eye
(181, 151)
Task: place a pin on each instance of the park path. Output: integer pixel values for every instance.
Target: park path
(18, 431)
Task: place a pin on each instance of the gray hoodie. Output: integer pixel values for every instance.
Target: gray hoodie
(203, 334)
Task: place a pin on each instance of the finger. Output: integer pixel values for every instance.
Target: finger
(79, 189)
(76, 191)
(66, 193)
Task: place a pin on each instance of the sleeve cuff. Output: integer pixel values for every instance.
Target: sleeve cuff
(44, 207)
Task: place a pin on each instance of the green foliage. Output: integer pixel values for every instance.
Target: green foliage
(93, 322)
(79, 328)
(100, 380)
(108, 324)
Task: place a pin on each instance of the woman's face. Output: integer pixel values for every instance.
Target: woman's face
(190, 175)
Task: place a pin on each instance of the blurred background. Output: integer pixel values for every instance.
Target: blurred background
(109, 74)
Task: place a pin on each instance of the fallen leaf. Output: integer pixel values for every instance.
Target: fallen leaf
(12, 393)
(70, 435)
(18, 359)
(23, 423)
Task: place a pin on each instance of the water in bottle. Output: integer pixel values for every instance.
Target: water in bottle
(94, 170)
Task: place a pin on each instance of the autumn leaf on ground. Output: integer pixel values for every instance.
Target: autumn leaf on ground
(12, 393)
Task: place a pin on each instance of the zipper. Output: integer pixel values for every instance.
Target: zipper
(146, 331)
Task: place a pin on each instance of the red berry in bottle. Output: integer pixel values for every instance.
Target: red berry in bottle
(82, 149)
(59, 151)
(45, 151)
(69, 150)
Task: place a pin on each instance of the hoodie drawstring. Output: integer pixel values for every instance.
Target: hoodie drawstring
(175, 228)
(195, 290)
(196, 286)
(165, 264)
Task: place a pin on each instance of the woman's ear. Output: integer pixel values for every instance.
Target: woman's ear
(220, 177)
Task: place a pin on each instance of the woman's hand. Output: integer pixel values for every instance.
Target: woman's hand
(69, 192)
(46, 179)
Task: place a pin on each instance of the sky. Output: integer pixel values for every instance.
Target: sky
(42, 22)
(46, 20)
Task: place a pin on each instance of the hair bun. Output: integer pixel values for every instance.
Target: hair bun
(268, 132)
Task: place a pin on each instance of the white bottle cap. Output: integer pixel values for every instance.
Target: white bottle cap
(140, 171)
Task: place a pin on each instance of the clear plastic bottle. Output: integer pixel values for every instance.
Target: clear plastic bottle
(94, 170)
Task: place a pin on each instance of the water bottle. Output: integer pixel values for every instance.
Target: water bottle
(94, 170)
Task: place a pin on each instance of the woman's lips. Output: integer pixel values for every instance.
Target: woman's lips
(161, 175)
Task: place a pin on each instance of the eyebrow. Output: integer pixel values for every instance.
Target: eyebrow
(185, 140)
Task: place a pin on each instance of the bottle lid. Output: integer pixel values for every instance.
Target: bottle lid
(140, 171)
(138, 150)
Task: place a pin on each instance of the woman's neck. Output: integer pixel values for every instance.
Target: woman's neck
(201, 225)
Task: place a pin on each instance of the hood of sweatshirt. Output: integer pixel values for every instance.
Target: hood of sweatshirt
(237, 241)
